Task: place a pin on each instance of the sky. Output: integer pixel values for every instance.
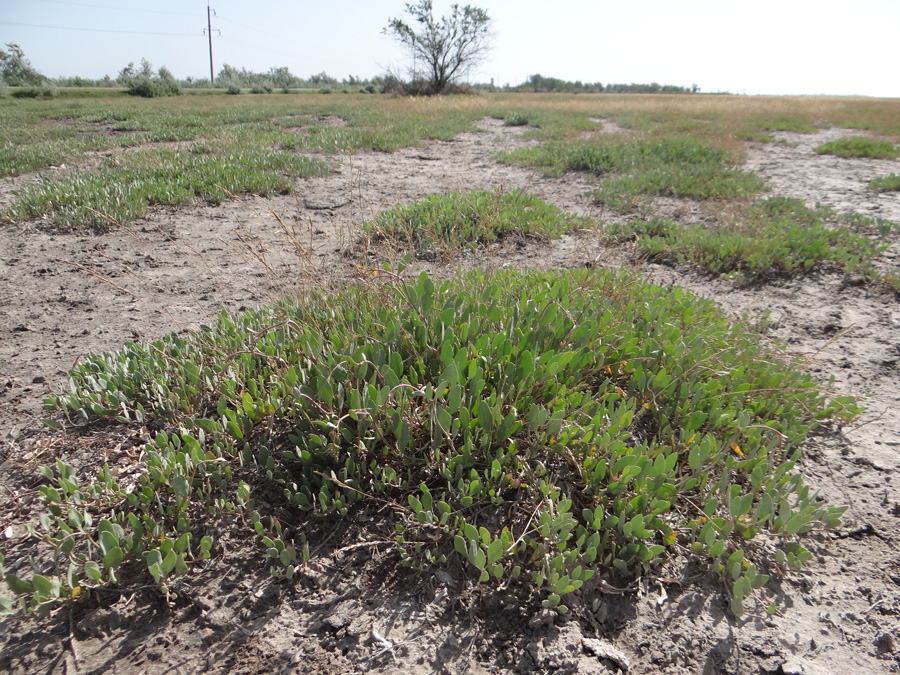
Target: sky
(780, 47)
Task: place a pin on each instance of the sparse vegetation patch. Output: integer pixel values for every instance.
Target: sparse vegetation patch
(777, 236)
(859, 146)
(889, 183)
(123, 189)
(679, 167)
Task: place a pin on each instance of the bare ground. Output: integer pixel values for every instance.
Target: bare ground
(354, 609)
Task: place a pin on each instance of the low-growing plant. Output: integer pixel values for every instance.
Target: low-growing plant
(679, 167)
(124, 189)
(775, 236)
(859, 146)
(515, 120)
(547, 426)
(446, 223)
(889, 183)
(891, 279)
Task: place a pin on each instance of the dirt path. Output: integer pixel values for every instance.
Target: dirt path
(353, 611)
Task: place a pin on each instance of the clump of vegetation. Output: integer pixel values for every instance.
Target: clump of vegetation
(462, 219)
(147, 83)
(679, 167)
(124, 189)
(889, 183)
(516, 119)
(44, 91)
(859, 146)
(777, 236)
(546, 426)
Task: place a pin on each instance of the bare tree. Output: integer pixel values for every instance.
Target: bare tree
(449, 46)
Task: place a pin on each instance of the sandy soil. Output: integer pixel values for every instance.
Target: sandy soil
(354, 609)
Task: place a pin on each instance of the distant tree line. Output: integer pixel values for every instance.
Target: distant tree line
(16, 70)
(283, 79)
(539, 83)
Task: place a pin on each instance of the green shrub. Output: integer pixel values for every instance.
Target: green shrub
(151, 88)
(233, 89)
(40, 91)
(859, 146)
(534, 425)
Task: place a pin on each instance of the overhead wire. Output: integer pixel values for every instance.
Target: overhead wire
(98, 30)
(124, 9)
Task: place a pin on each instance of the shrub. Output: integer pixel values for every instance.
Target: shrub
(233, 89)
(40, 91)
(146, 83)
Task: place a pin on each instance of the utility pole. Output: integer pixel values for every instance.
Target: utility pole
(208, 31)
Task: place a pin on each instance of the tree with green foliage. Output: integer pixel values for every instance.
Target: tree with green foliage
(144, 82)
(449, 46)
(15, 69)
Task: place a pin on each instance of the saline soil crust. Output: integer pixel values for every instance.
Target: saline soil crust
(353, 608)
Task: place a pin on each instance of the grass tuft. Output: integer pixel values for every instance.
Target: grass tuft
(465, 219)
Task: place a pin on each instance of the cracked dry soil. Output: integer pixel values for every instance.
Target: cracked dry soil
(353, 609)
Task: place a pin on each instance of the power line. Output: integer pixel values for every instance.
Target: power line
(126, 9)
(300, 56)
(96, 30)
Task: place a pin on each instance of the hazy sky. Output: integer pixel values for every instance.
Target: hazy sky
(741, 46)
